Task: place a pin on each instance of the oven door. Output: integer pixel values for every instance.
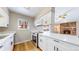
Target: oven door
(34, 37)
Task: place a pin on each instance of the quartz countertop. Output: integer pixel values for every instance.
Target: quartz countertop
(6, 35)
(66, 38)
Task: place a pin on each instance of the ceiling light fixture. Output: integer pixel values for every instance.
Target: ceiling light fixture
(64, 15)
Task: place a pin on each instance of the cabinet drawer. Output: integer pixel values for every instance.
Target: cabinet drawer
(64, 46)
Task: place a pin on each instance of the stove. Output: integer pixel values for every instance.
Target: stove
(35, 38)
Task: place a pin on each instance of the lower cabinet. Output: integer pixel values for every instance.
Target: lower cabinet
(53, 44)
(64, 46)
(7, 45)
(11, 42)
(50, 44)
(46, 43)
(42, 43)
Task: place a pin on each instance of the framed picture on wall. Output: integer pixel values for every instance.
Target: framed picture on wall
(22, 24)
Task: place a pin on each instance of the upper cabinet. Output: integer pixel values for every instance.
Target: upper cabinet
(4, 17)
(47, 19)
(43, 17)
(43, 20)
(38, 22)
(66, 14)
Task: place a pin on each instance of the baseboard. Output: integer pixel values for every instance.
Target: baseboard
(40, 49)
(22, 42)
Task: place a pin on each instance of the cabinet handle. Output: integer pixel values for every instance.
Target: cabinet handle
(56, 41)
(40, 40)
(57, 49)
(7, 24)
(10, 37)
(1, 46)
(54, 48)
(11, 43)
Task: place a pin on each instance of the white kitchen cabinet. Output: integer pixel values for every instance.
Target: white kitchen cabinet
(66, 14)
(4, 18)
(59, 46)
(8, 44)
(11, 38)
(43, 20)
(38, 21)
(54, 44)
(46, 44)
(50, 44)
(47, 19)
(64, 46)
(42, 43)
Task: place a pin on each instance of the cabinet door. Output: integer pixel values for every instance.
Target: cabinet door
(48, 16)
(4, 18)
(38, 21)
(46, 44)
(6, 45)
(70, 47)
(49, 44)
(63, 46)
(41, 43)
(44, 20)
(47, 19)
(59, 47)
(11, 42)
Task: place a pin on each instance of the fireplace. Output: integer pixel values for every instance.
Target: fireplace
(68, 28)
(66, 32)
(65, 28)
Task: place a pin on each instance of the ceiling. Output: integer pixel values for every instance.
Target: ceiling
(28, 11)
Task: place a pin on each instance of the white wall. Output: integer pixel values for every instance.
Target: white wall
(2, 29)
(21, 35)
